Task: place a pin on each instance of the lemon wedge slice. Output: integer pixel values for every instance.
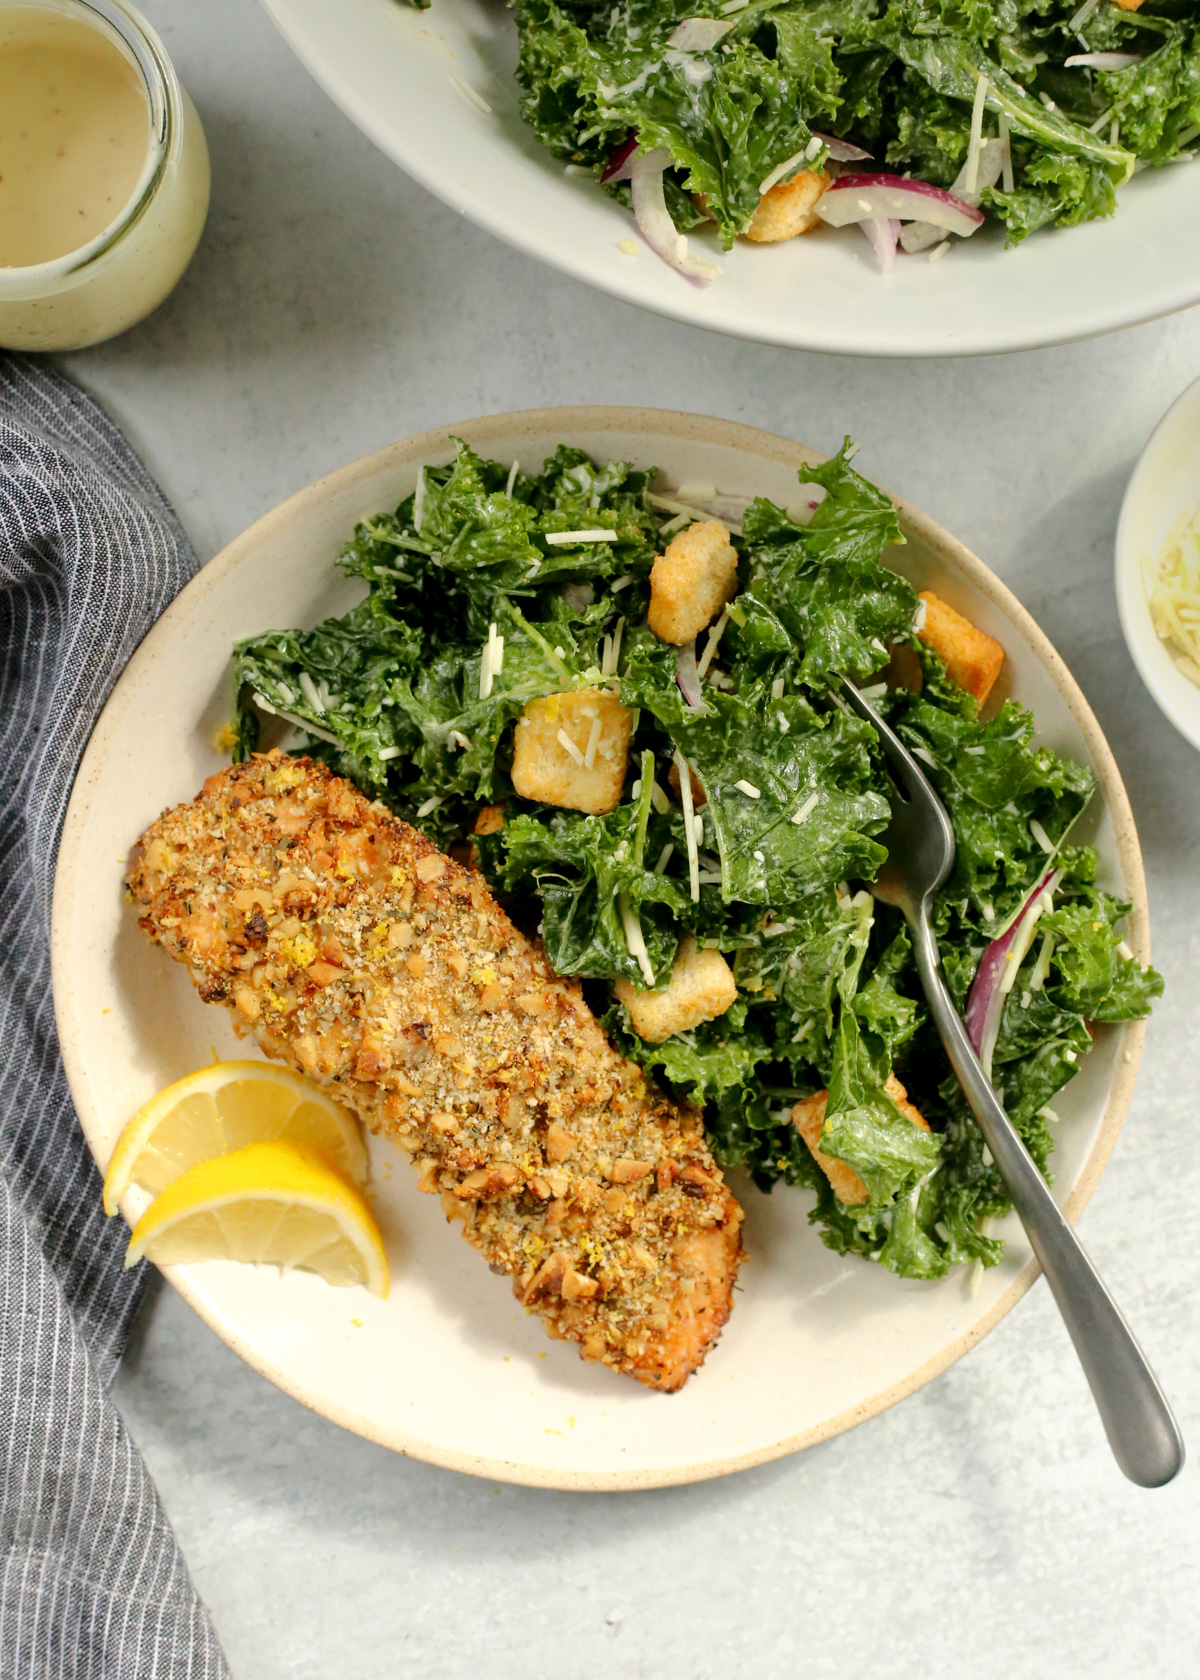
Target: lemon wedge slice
(277, 1203)
(227, 1106)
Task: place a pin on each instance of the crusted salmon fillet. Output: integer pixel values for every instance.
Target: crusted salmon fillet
(350, 947)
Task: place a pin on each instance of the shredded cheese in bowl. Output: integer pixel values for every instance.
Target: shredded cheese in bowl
(1172, 580)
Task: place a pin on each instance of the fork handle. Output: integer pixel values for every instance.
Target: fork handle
(1141, 1429)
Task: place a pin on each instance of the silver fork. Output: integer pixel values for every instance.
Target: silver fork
(1141, 1429)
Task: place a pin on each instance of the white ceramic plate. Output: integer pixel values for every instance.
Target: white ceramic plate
(393, 69)
(449, 1368)
(1165, 484)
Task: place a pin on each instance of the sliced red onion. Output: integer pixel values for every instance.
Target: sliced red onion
(699, 34)
(881, 198)
(883, 237)
(620, 165)
(985, 1000)
(920, 236)
(654, 219)
(687, 678)
(1101, 61)
(841, 151)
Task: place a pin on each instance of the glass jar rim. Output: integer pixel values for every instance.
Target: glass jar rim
(160, 86)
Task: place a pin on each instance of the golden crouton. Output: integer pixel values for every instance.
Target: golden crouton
(973, 658)
(692, 581)
(701, 987)
(788, 208)
(808, 1117)
(589, 773)
(489, 820)
(699, 797)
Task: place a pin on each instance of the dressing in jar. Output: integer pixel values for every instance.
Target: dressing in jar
(103, 172)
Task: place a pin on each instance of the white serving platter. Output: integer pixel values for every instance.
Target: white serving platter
(449, 1368)
(417, 82)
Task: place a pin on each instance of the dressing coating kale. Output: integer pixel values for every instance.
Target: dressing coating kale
(402, 695)
(895, 77)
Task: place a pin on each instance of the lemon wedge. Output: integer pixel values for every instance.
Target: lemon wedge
(277, 1203)
(227, 1106)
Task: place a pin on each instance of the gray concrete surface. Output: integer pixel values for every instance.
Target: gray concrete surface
(980, 1529)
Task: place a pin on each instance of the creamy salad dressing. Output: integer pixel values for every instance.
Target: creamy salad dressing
(74, 134)
(103, 173)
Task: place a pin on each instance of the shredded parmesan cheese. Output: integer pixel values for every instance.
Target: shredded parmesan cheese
(598, 534)
(429, 805)
(569, 747)
(611, 650)
(1019, 949)
(971, 184)
(780, 170)
(464, 87)
(668, 504)
(635, 940)
(300, 723)
(1007, 179)
(806, 810)
(689, 832)
(749, 789)
(593, 741)
(309, 689)
(490, 662)
(1172, 582)
(710, 646)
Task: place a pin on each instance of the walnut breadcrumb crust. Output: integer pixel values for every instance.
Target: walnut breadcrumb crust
(349, 947)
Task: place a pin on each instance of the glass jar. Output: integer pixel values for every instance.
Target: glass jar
(130, 266)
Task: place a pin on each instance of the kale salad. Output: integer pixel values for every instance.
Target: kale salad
(1035, 111)
(746, 813)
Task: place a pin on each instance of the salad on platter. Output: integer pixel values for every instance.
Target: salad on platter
(621, 704)
(913, 119)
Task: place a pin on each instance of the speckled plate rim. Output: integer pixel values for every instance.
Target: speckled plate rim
(634, 422)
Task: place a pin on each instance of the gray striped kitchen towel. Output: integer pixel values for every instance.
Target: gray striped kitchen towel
(91, 1580)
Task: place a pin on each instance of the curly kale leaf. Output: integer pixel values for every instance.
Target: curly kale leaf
(726, 116)
(401, 695)
(1093, 971)
(590, 874)
(824, 581)
(764, 762)
(1009, 801)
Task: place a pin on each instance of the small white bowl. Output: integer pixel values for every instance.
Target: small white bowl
(1165, 484)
